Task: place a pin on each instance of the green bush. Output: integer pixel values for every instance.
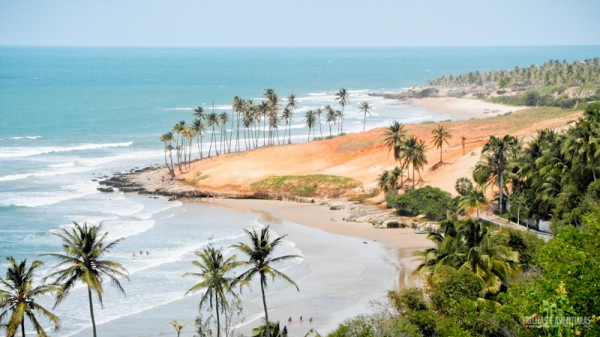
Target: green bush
(430, 201)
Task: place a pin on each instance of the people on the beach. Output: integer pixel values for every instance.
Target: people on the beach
(300, 319)
(133, 254)
(147, 252)
(290, 319)
(310, 320)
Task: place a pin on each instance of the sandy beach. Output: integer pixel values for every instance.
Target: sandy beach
(464, 108)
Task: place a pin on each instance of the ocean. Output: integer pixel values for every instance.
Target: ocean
(70, 116)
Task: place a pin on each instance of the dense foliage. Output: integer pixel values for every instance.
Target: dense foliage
(579, 73)
(554, 177)
(430, 201)
(556, 280)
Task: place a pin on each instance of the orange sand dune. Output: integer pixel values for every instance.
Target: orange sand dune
(363, 156)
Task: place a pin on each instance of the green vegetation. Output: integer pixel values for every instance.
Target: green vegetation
(536, 97)
(84, 246)
(19, 298)
(430, 201)
(552, 73)
(306, 186)
(215, 281)
(552, 177)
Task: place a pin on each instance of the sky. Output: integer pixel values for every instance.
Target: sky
(299, 23)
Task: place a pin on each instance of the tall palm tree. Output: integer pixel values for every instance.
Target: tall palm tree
(365, 108)
(237, 105)
(440, 135)
(342, 97)
(223, 119)
(338, 115)
(291, 105)
(199, 128)
(212, 119)
(260, 261)
(310, 120)
(499, 152)
(18, 298)
(286, 115)
(263, 111)
(415, 154)
(318, 113)
(214, 270)
(84, 247)
(330, 117)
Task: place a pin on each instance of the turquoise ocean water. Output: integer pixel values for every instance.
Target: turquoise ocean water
(71, 115)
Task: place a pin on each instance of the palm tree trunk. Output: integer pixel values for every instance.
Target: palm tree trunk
(413, 176)
(23, 327)
(364, 121)
(441, 147)
(262, 289)
(500, 192)
(290, 132)
(218, 320)
(92, 311)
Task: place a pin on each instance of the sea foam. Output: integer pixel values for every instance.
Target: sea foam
(19, 152)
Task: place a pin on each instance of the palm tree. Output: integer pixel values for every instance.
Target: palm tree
(167, 138)
(415, 154)
(199, 129)
(237, 105)
(276, 331)
(214, 269)
(84, 246)
(287, 115)
(318, 113)
(212, 120)
(330, 117)
(291, 106)
(366, 109)
(338, 115)
(342, 97)
(310, 120)
(383, 181)
(473, 199)
(440, 135)
(223, 119)
(499, 152)
(18, 298)
(260, 261)
(394, 136)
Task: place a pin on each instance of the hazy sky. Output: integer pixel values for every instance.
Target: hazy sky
(299, 22)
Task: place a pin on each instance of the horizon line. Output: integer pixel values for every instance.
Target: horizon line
(291, 47)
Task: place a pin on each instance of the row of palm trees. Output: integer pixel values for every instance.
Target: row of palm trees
(259, 122)
(409, 152)
(82, 261)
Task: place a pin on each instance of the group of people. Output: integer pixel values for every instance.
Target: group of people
(142, 253)
(301, 319)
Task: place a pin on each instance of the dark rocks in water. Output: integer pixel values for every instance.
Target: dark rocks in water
(106, 189)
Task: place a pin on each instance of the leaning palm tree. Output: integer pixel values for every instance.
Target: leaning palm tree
(84, 246)
(415, 154)
(440, 135)
(18, 298)
(167, 138)
(214, 270)
(365, 108)
(287, 115)
(342, 97)
(213, 121)
(261, 261)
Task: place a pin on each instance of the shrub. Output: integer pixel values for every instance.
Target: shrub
(431, 201)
